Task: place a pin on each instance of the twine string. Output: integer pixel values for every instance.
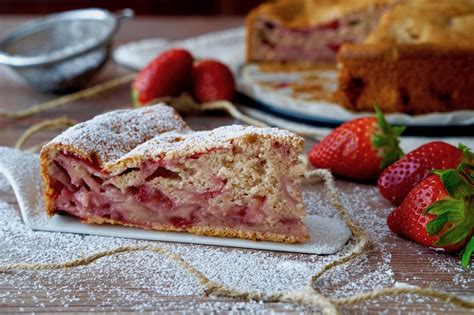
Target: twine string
(358, 233)
(185, 104)
(442, 296)
(232, 110)
(66, 99)
(46, 124)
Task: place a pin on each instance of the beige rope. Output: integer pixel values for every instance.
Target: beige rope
(308, 298)
(37, 147)
(94, 90)
(443, 296)
(357, 232)
(47, 124)
(232, 110)
(185, 104)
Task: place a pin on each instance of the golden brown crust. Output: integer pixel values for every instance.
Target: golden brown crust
(45, 160)
(408, 78)
(211, 231)
(447, 23)
(307, 13)
(107, 137)
(418, 60)
(302, 14)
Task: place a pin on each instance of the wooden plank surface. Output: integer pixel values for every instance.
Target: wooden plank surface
(407, 265)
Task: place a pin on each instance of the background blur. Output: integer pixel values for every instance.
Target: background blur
(141, 7)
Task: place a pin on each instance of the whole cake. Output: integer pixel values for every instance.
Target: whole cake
(145, 168)
(410, 56)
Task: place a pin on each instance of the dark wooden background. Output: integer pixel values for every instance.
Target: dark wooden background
(141, 7)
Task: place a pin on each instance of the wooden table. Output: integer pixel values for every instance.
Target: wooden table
(407, 266)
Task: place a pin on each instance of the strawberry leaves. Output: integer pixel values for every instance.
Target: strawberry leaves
(467, 253)
(450, 179)
(387, 140)
(454, 219)
(447, 211)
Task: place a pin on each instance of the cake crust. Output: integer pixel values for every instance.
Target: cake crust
(298, 14)
(301, 16)
(410, 79)
(211, 231)
(445, 23)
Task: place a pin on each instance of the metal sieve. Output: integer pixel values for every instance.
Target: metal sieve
(61, 52)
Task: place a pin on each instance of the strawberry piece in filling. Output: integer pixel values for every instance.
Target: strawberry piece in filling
(165, 193)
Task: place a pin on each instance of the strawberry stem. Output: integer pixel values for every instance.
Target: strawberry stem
(466, 152)
(467, 253)
(387, 140)
(136, 98)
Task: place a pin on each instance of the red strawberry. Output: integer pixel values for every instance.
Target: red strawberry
(400, 177)
(439, 212)
(168, 74)
(212, 81)
(359, 149)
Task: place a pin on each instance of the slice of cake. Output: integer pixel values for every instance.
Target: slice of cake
(419, 59)
(145, 168)
(309, 30)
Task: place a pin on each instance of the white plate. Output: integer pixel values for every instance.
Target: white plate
(22, 170)
(229, 47)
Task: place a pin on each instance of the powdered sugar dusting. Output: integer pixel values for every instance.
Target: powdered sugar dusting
(144, 281)
(113, 134)
(175, 143)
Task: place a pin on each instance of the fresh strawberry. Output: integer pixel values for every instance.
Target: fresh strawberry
(212, 81)
(168, 74)
(400, 177)
(359, 149)
(439, 212)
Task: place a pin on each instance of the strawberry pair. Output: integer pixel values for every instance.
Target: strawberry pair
(174, 72)
(437, 207)
(434, 186)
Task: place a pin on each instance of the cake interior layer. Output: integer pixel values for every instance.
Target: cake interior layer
(255, 190)
(272, 41)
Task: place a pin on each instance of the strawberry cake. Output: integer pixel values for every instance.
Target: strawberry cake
(414, 57)
(146, 168)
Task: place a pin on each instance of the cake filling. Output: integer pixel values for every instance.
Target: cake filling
(185, 193)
